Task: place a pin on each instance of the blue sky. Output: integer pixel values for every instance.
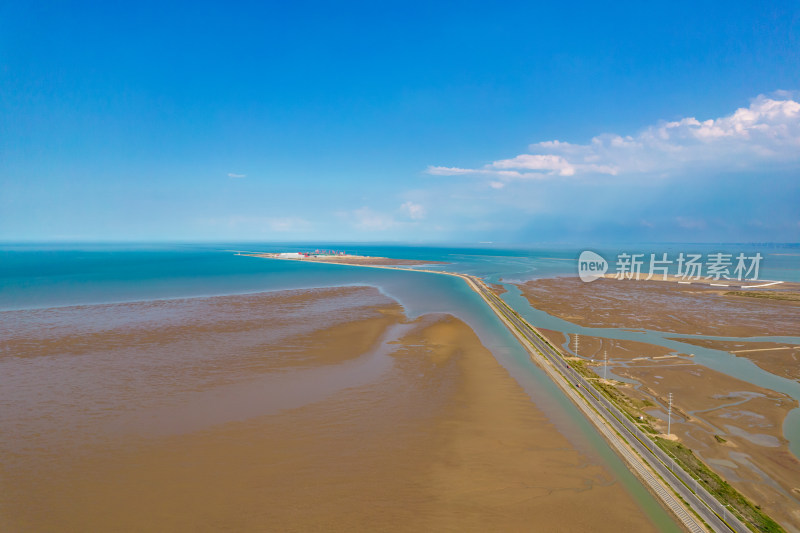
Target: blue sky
(420, 122)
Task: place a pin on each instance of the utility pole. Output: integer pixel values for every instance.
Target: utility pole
(669, 416)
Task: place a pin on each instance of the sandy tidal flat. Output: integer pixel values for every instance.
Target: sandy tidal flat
(297, 410)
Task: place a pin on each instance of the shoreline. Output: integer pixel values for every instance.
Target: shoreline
(344, 259)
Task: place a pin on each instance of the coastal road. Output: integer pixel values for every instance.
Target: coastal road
(616, 426)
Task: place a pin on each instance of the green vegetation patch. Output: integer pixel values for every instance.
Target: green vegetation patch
(752, 515)
(630, 407)
(721, 489)
(581, 367)
(770, 295)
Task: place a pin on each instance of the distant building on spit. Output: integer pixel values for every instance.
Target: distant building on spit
(315, 253)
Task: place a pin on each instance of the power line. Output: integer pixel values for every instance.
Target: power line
(669, 416)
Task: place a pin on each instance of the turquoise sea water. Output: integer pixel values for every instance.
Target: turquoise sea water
(39, 276)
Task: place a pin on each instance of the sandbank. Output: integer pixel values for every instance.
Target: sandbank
(174, 415)
(349, 259)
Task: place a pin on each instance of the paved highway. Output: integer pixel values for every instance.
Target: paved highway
(585, 395)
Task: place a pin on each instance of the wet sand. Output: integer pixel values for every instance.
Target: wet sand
(297, 410)
(496, 288)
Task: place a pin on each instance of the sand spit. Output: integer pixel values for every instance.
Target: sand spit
(348, 259)
(171, 416)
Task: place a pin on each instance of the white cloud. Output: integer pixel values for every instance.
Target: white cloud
(413, 211)
(551, 163)
(232, 175)
(768, 131)
(455, 171)
(449, 171)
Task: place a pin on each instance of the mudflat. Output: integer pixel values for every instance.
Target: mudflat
(680, 309)
(295, 410)
(735, 427)
(665, 306)
(779, 358)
